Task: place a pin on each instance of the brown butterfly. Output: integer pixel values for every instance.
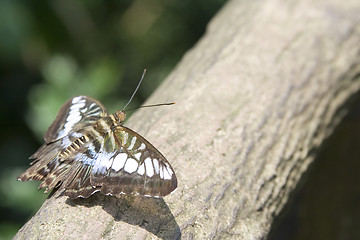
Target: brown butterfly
(86, 150)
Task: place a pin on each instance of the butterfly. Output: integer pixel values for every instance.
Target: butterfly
(86, 150)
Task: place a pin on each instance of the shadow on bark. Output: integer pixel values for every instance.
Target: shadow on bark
(325, 204)
(151, 214)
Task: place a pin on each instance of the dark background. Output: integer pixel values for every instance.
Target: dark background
(326, 203)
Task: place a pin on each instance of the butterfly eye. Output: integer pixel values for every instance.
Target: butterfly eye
(120, 116)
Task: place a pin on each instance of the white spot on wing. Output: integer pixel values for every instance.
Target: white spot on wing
(132, 144)
(137, 156)
(76, 99)
(131, 165)
(83, 110)
(119, 162)
(74, 107)
(74, 115)
(167, 165)
(141, 169)
(156, 166)
(142, 146)
(125, 138)
(167, 173)
(149, 167)
(161, 171)
(77, 106)
(73, 118)
(109, 163)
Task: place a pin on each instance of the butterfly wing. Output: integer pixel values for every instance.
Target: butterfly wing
(85, 152)
(125, 164)
(76, 113)
(75, 110)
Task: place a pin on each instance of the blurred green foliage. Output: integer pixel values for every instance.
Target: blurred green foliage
(53, 50)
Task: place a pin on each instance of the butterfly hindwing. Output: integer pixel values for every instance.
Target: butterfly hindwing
(136, 167)
(125, 163)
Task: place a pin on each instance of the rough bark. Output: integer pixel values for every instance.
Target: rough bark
(256, 98)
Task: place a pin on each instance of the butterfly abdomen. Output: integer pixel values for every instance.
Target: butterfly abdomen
(73, 148)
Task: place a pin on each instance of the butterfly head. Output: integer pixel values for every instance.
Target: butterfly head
(119, 116)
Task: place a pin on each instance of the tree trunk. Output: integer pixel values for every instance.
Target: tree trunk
(256, 98)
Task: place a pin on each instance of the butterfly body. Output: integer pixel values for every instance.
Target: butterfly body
(86, 150)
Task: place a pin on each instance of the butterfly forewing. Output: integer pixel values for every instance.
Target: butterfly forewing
(86, 151)
(73, 111)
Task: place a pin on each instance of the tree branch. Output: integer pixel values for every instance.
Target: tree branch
(256, 97)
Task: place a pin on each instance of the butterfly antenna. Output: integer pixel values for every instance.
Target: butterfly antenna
(153, 105)
(142, 77)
